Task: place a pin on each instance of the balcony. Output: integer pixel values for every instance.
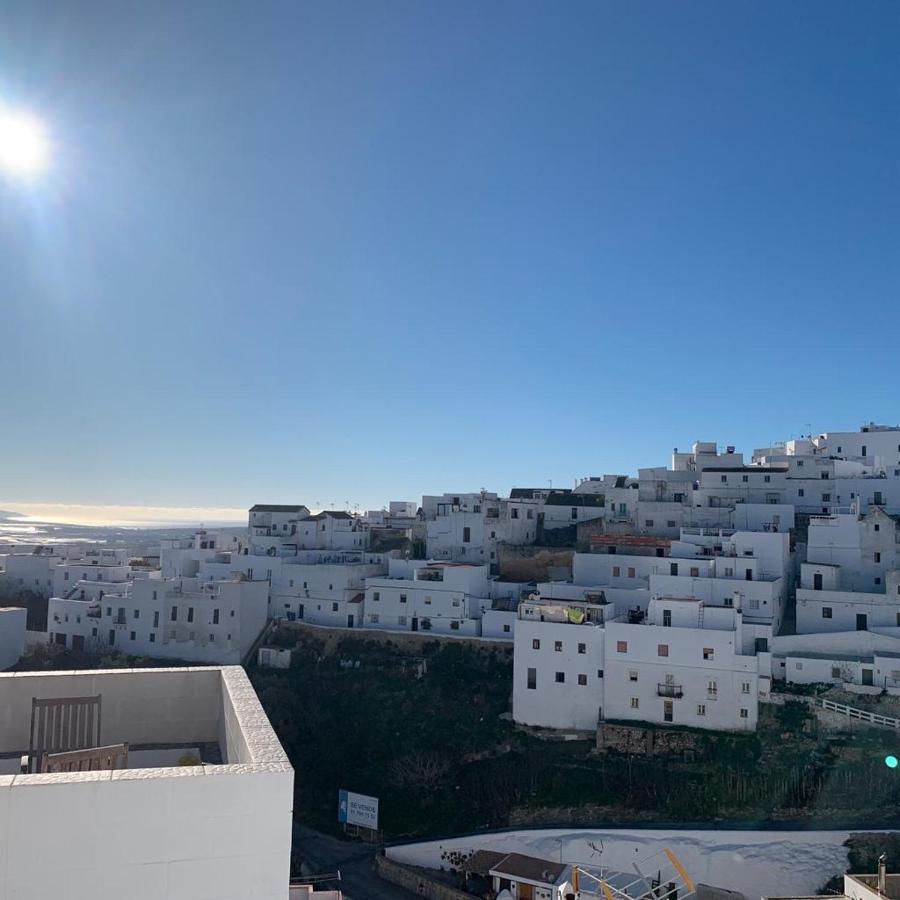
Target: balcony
(669, 690)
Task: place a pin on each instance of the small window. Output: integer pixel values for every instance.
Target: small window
(621, 646)
(635, 703)
(744, 714)
(582, 648)
(557, 646)
(616, 571)
(560, 677)
(532, 679)
(878, 557)
(152, 637)
(648, 523)
(801, 492)
(826, 612)
(878, 528)
(835, 672)
(630, 572)
(401, 620)
(132, 636)
(334, 607)
(667, 618)
(374, 618)
(467, 535)
(574, 512)
(709, 653)
(454, 625)
(745, 687)
(215, 617)
(695, 572)
(599, 673)
(662, 649)
(403, 598)
(745, 478)
(582, 680)
(174, 613)
(632, 676)
(376, 596)
(535, 644)
(506, 629)
(767, 478)
(724, 478)
(701, 709)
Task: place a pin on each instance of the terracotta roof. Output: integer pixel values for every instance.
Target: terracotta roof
(528, 868)
(482, 861)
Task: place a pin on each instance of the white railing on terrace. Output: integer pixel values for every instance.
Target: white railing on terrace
(853, 713)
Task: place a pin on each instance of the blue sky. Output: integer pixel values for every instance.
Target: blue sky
(331, 251)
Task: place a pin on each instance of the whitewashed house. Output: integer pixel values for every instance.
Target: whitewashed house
(179, 618)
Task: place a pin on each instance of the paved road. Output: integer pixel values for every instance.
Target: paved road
(358, 879)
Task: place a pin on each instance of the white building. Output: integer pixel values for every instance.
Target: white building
(682, 663)
(12, 635)
(438, 596)
(179, 618)
(154, 829)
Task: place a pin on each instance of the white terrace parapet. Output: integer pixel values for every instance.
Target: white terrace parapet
(177, 833)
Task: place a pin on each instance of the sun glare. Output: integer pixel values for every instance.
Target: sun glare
(24, 149)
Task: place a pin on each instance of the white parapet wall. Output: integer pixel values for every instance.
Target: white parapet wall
(198, 832)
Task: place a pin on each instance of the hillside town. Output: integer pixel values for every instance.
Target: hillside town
(680, 596)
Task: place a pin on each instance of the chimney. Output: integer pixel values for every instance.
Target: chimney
(882, 875)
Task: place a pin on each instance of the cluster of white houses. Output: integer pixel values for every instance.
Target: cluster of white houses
(691, 587)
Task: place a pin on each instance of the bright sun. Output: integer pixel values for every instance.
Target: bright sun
(23, 144)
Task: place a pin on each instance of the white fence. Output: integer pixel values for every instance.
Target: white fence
(863, 715)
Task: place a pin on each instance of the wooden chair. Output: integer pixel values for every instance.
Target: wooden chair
(94, 759)
(61, 725)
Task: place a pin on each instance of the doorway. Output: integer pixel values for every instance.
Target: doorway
(817, 581)
(415, 624)
(867, 676)
(862, 622)
(350, 620)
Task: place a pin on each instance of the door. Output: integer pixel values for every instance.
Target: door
(525, 891)
(867, 676)
(300, 611)
(667, 710)
(350, 620)
(77, 642)
(415, 624)
(817, 581)
(862, 622)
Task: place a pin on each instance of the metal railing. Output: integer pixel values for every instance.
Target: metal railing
(669, 690)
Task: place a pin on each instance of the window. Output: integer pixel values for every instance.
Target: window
(616, 571)
(877, 557)
(826, 498)
(428, 601)
(582, 648)
(877, 526)
(826, 612)
(109, 610)
(632, 676)
(673, 568)
(132, 636)
(582, 680)
(535, 644)
(695, 572)
(712, 687)
(574, 513)
(156, 619)
(174, 614)
(701, 709)
(662, 649)
(403, 598)
(877, 581)
(745, 478)
(506, 629)
(635, 703)
(709, 653)
(401, 620)
(560, 677)
(670, 523)
(835, 672)
(648, 523)
(190, 616)
(767, 478)
(154, 595)
(725, 478)
(334, 607)
(744, 714)
(621, 646)
(530, 514)
(532, 679)
(745, 687)
(514, 512)
(376, 596)
(729, 571)
(799, 463)
(374, 618)
(557, 646)
(454, 625)
(667, 618)
(152, 638)
(630, 572)
(801, 492)
(467, 535)
(215, 617)
(137, 613)
(599, 673)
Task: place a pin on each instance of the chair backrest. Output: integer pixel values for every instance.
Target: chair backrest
(94, 759)
(63, 724)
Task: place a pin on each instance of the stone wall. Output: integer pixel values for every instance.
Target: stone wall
(531, 563)
(418, 881)
(640, 741)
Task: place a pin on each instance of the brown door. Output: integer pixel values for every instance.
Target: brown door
(526, 891)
